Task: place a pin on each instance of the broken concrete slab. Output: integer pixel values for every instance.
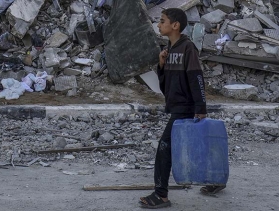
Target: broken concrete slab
(121, 40)
(222, 31)
(226, 6)
(246, 38)
(188, 30)
(75, 19)
(52, 57)
(232, 49)
(271, 49)
(240, 91)
(243, 63)
(272, 33)
(249, 45)
(248, 24)
(21, 14)
(77, 7)
(17, 75)
(63, 83)
(155, 12)
(217, 70)
(209, 42)
(197, 35)
(265, 20)
(211, 19)
(193, 15)
(83, 61)
(72, 71)
(265, 38)
(57, 39)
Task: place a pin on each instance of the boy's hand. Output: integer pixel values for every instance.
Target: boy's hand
(200, 116)
(162, 58)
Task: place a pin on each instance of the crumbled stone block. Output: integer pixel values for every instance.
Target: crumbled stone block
(96, 55)
(57, 39)
(77, 7)
(265, 20)
(198, 34)
(72, 71)
(248, 24)
(83, 61)
(209, 42)
(240, 91)
(75, 19)
(217, 70)
(155, 12)
(17, 75)
(226, 6)
(52, 57)
(193, 15)
(211, 19)
(65, 83)
(21, 14)
(231, 47)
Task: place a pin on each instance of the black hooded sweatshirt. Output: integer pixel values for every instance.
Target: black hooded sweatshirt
(181, 79)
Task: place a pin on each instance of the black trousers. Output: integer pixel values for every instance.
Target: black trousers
(163, 157)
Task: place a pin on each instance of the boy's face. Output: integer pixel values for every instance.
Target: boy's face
(165, 27)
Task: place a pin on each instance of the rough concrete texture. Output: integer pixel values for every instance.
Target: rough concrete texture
(155, 12)
(21, 15)
(253, 159)
(249, 24)
(240, 91)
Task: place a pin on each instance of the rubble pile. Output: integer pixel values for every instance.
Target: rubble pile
(140, 131)
(52, 39)
(51, 44)
(238, 42)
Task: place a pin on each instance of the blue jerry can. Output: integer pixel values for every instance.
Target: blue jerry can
(199, 152)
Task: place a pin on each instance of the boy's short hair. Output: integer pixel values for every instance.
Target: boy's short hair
(176, 14)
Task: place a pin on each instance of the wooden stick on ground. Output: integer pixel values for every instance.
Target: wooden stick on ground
(85, 148)
(130, 187)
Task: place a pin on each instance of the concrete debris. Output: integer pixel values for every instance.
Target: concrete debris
(240, 91)
(198, 34)
(265, 20)
(193, 15)
(74, 39)
(155, 12)
(248, 24)
(21, 15)
(226, 6)
(63, 83)
(210, 20)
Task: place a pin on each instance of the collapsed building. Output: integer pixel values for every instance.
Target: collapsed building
(51, 42)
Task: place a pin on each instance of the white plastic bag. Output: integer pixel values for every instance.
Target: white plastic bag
(12, 89)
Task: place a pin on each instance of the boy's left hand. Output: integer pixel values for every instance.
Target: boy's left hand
(200, 116)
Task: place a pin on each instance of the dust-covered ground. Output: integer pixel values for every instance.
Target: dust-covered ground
(98, 91)
(250, 187)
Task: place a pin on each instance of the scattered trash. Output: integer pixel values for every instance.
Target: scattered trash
(12, 89)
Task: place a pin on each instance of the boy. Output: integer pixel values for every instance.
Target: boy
(181, 81)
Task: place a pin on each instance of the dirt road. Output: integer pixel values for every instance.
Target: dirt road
(252, 186)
